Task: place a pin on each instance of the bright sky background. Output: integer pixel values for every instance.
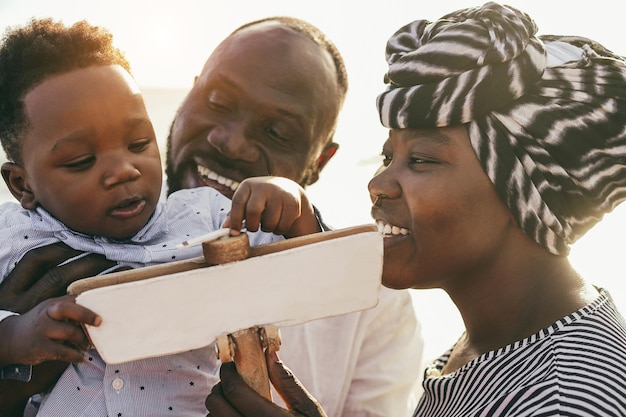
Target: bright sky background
(168, 42)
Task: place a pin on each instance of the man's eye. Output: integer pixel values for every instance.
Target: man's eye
(217, 107)
(277, 135)
(217, 103)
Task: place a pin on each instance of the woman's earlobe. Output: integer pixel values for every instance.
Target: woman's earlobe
(14, 178)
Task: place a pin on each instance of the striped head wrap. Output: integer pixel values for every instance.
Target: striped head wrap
(546, 115)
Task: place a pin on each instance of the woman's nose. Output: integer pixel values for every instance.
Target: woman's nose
(382, 185)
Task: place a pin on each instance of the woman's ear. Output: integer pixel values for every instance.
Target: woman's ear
(14, 177)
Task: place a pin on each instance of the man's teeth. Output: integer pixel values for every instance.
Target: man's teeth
(388, 229)
(214, 176)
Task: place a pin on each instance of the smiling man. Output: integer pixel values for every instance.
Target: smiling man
(267, 103)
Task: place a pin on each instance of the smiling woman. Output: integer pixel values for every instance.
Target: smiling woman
(535, 155)
(168, 42)
(597, 255)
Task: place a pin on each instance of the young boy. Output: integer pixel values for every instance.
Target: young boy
(86, 169)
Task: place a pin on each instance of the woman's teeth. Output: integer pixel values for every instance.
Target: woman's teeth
(388, 229)
(214, 176)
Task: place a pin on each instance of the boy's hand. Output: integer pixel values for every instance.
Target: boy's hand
(50, 331)
(278, 204)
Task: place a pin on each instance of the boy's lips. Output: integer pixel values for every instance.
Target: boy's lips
(128, 208)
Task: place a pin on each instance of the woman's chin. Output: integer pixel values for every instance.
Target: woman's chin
(396, 280)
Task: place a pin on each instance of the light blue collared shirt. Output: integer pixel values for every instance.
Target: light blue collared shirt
(167, 385)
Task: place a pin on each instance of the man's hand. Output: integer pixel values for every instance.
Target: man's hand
(278, 204)
(34, 279)
(232, 397)
(37, 278)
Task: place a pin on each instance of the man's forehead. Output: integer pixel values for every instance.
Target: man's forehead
(271, 36)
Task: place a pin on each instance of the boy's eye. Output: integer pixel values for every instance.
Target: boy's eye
(139, 145)
(81, 163)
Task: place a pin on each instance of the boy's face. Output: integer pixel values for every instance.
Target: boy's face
(90, 152)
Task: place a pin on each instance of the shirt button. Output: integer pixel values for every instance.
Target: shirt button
(117, 384)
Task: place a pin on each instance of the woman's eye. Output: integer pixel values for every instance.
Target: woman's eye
(417, 160)
(386, 160)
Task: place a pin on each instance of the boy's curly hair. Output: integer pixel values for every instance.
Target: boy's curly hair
(42, 49)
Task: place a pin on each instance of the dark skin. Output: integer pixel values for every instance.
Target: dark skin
(281, 207)
(233, 397)
(432, 191)
(87, 153)
(281, 123)
(265, 103)
(33, 280)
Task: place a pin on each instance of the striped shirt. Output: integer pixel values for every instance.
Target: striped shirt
(576, 367)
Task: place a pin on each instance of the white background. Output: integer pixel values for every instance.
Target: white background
(167, 43)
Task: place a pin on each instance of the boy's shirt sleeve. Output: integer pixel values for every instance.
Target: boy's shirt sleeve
(16, 372)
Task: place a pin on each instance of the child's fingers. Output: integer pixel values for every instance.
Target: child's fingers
(45, 339)
(65, 308)
(67, 332)
(249, 204)
(290, 213)
(272, 216)
(57, 351)
(238, 207)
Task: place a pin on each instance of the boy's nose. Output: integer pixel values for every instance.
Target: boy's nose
(120, 170)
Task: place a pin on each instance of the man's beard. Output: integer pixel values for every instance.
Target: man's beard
(174, 182)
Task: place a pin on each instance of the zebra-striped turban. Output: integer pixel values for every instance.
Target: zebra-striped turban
(546, 115)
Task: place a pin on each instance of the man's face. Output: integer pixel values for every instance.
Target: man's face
(265, 103)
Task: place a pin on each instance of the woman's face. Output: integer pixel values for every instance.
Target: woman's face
(441, 217)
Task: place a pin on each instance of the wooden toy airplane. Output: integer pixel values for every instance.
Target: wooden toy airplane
(233, 293)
